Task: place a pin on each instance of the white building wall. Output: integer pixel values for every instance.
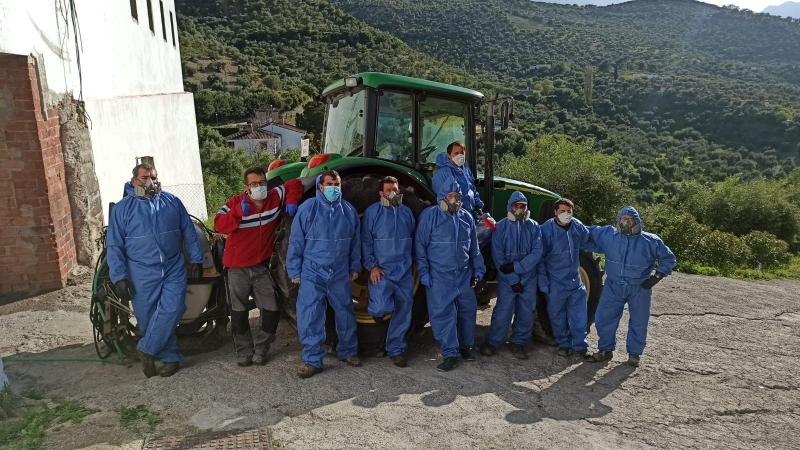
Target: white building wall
(253, 145)
(132, 85)
(289, 138)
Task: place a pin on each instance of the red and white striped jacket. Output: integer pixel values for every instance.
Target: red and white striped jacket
(251, 237)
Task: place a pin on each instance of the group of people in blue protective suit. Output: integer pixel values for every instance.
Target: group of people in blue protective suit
(329, 244)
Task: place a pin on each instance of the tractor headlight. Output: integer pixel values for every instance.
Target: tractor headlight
(351, 81)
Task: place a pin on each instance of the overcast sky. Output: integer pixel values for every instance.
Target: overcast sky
(755, 5)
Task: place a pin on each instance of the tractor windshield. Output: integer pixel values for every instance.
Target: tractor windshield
(395, 121)
(344, 128)
(443, 122)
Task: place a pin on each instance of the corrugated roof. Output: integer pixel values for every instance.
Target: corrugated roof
(253, 135)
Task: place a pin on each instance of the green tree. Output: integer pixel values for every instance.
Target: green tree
(576, 172)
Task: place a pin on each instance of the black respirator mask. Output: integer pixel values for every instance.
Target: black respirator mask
(149, 189)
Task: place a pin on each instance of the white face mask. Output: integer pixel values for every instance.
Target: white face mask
(259, 193)
(459, 159)
(565, 217)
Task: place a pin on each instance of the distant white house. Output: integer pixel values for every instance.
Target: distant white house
(291, 136)
(253, 140)
(540, 66)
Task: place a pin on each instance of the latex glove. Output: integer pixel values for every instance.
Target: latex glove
(245, 206)
(375, 275)
(517, 288)
(480, 287)
(124, 289)
(507, 268)
(425, 279)
(291, 209)
(475, 281)
(353, 276)
(653, 280)
(479, 211)
(296, 280)
(197, 271)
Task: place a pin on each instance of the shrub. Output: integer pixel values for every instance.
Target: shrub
(723, 250)
(766, 250)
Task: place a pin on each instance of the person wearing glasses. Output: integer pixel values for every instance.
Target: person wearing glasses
(250, 220)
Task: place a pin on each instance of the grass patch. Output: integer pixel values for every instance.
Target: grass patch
(25, 430)
(7, 401)
(138, 418)
(33, 393)
(790, 270)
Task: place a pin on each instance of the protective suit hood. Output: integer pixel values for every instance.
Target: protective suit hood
(442, 160)
(630, 211)
(446, 189)
(516, 197)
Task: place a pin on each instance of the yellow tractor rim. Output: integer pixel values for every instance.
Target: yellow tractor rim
(585, 279)
(361, 296)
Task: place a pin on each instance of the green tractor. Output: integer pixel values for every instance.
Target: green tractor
(378, 124)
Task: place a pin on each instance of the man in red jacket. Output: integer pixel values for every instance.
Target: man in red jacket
(250, 220)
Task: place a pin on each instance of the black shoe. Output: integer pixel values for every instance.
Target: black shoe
(584, 355)
(602, 356)
(148, 363)
(448, 364)
(168, 369)
(398, 360)
(259, 360)
(518, 351)
(467, 354)
(633, 360)
(488, 350)
(245, 361)
(308, 371)
(563, 351)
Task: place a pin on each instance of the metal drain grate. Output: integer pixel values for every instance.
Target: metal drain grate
(259, 439)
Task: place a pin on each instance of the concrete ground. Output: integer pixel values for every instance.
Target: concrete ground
(720, 371)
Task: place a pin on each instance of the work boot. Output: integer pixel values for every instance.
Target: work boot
(602, 356)
(448, 364)
(518, 351)
(467, 354)
(563, 351)
(488, 350)
(168, 369)
(148, 363)
(633, 360)
(584, 354)
(259, 360)
(245, 361)
(308, 371)
(398, 360)
(353, 361)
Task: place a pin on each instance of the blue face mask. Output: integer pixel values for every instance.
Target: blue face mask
(332, 193)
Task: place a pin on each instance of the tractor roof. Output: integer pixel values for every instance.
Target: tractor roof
(384, 80)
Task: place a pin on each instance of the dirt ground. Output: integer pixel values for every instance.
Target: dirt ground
(720, 371)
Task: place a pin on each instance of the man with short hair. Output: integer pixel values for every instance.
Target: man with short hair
(324, 257)
(631, 257)
(449, 265)
(147, 266)
(516, 250)
(563, 237)
(386, 243)
(250, 220)
(453, 167)
(153, 176)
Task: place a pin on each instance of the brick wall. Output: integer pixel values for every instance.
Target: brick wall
(37, 249)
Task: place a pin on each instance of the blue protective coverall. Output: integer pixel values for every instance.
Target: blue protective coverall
(446, 249)
(560, 281)
(386, 242)
(630, 260)
(448, 173)
(518, 242)
(324, 248)
(144, 245)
